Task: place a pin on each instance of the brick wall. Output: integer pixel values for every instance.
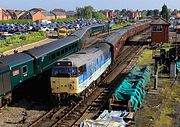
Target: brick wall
(38, 16)
(1, 11)
(163, 36)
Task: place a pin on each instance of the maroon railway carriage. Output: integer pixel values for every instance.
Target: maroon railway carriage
(117, 40)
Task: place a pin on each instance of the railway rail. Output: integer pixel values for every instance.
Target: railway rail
(72, 115)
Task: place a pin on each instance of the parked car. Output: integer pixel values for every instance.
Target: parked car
(5, 36)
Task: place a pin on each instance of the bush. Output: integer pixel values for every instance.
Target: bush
(22, 37)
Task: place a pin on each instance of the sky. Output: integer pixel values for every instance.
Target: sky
(97, 4)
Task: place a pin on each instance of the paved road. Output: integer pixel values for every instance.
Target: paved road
(28, 46)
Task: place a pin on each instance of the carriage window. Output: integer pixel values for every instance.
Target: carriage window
(76, 45)
(66, 49)
(69, 47)
(58, 53)
(53, 56)
(72, 46)
(24, 69)
(62, 51)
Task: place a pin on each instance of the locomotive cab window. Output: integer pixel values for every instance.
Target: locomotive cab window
(24, 69)
(82, 69)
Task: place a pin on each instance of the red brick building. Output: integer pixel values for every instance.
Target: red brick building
(108, 13)
(160, 31)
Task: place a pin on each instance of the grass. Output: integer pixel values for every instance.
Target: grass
(146, 58)
(120, 25)
(20, 40)
(170, 97)
(159, 110)
(64, 19)
(17, 21)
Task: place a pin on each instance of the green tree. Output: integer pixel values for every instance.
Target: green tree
(117, 11)
(98, 15)
(150, 13)
(165, 12)
(123, 11)
(80, 12)
(156, 12)
(88, 11)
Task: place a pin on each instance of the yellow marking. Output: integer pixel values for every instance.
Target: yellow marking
(64, 85)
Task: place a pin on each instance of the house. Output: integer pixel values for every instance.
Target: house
(49, 15)
(133, 15)
(59, 13)
(70, 13)
(33, 14)
(108, 13)
(4, 15)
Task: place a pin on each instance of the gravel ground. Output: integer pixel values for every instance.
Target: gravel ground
(12, 116)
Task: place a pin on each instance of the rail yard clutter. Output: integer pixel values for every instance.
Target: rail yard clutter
(178, 66)
(128, 95)
(132, 88)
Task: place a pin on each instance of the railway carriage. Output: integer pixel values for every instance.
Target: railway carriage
(18, 67)
(74, 74)
(116, 41)
(100, 28)
(14, 69)
(45, 55)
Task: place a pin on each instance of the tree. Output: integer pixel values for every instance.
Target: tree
(80, 12)
(117, 11)
(123, 11)
(98, 15)
(88, 10)
(150, 13)
(165, 12)
(156, 12)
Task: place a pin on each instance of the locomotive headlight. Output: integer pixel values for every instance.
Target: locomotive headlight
(53, 81)
(71, 86)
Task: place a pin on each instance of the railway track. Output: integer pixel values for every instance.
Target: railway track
(71, 116)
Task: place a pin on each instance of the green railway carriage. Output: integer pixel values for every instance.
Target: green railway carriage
(99, 29)
(45, 55)
(14, 69)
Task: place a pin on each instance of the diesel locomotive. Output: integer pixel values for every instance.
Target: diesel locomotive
(76, 74)
(19, 67)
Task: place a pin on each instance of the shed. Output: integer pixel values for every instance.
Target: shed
(160, 31)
